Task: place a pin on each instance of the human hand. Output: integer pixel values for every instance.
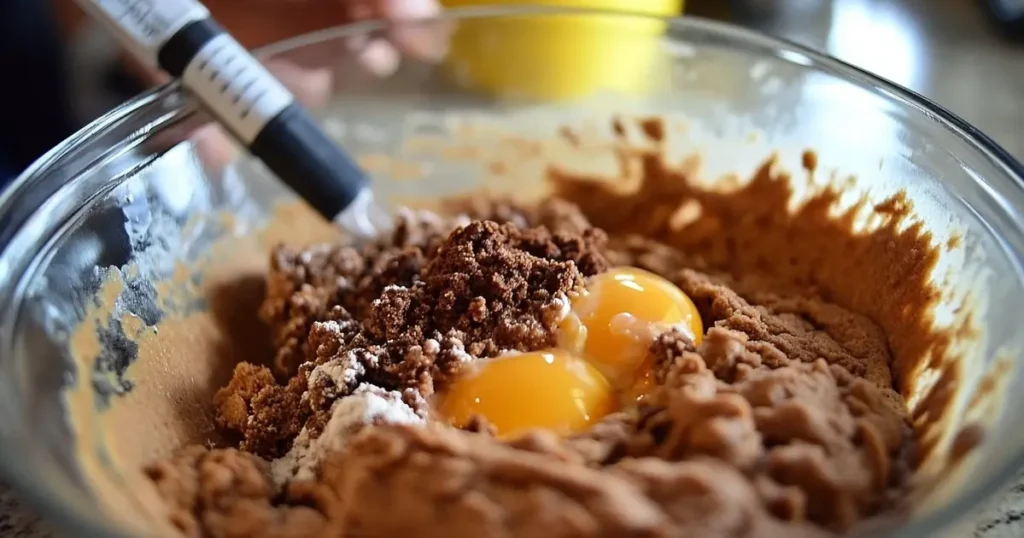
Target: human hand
(257, 22)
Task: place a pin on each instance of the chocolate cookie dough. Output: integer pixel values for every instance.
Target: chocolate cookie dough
(782, 422)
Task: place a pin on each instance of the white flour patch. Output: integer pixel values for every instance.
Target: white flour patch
(368, 404)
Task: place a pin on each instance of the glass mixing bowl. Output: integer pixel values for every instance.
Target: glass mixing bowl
(142, 190)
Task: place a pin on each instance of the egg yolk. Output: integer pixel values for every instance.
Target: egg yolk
(602, 360)
(546, 389)
(623, 311)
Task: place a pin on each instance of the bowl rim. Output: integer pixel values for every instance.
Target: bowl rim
(142, 106)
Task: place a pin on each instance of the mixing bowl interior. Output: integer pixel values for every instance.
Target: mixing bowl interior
(126, 228)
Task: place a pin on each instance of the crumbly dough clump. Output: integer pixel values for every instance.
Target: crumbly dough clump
(782, 422)
(402, 315)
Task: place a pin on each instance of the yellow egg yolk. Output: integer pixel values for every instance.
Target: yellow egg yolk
(546, 389)
(603, 360)
(613, 325)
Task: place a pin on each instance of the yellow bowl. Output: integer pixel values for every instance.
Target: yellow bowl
(560, 57)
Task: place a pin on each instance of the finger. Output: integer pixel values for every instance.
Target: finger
(414, 32)
(379, 57)
(409, 9)
(416, 29)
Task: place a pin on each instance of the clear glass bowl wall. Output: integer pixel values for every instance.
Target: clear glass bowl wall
(122, 190)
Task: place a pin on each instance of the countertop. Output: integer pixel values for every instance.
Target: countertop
(944, 49)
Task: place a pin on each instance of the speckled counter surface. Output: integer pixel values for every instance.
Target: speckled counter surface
(941, 48)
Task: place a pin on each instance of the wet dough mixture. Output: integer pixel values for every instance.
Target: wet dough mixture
(781, 422)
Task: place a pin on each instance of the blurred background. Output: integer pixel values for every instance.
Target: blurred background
(61, 71)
